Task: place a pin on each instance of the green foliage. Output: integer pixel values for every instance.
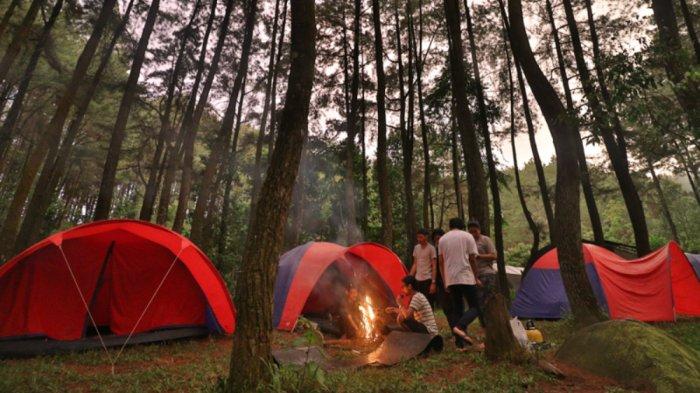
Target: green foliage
(518, 255)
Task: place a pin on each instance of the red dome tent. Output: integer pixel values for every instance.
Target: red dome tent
(657, 287)
(119, 281)
(307, 277)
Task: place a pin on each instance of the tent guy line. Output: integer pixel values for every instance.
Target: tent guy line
(131, 333)
(87, 308)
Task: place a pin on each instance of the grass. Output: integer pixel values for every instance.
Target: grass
(199, 365)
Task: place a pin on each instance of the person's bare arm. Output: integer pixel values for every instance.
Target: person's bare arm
(472, 263)
(442, 271)
(414, 268)
(433, 275)
(491, 255)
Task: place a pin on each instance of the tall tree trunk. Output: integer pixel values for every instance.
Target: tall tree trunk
(406, 132)
(54, 169)
(166, 132)
(478, 194)
(614, 146)
(189, 129)
(353, 234)
(228, 165)
(539, 168)
(271, 73)
(5, 21)
(454, 148)
(22, 189)
(567, 220)
(690, 26)
(662, 200)
(591, 205)
(273, 108)
(490, 162)
(109, 173)
(675, 63)
(687, 169)
(229, 170)
(20, 38)
(363, 150)
(18, 100)
(428, 212)
(224, 136)
(51, 137)
(516, 171)
(385, 208)
(250, 356)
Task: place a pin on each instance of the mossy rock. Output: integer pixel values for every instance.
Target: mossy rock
(635, 354)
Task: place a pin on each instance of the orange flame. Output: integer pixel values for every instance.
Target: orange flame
(368, 318)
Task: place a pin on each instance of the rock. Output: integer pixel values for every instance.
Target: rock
(635, 354)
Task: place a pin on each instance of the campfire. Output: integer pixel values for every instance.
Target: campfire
(369, 317)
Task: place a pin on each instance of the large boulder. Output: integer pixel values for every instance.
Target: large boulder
(635, 354)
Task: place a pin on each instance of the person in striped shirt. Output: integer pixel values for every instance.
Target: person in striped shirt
(418, 317)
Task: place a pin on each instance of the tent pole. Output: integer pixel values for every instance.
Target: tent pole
(98, 285)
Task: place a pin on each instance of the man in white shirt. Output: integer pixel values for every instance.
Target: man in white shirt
(458, 253)
(424, 266)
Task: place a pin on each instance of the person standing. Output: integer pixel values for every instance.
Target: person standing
(458, 253)
(484, 263)
(424, 267)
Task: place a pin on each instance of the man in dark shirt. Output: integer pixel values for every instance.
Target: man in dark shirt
(484, 263)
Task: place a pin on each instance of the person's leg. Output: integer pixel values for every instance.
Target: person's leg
(472, 294)
(457, 300)
(414, 326)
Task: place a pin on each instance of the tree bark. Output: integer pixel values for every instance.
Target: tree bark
(406, 133)
(591, 205)
(674, 61)
(51, 137)
(228, 170)
(612, 136)
(250, 356)
(476, 178)
(18, 101)
(428, 211)
(53, 170)
(500, 341)
(662, 201)
(490, 162)
(189, 129)
(166, 132)
(22, 189)
(516, 171)
(271, 74)
(5, 22)
(109, 173)
(223, 138)
(20, 38)
(690, 26)
(455, 166)
(353, 234)
(567, 220)
(387, 233)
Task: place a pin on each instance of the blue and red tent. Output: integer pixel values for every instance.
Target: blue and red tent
(657, 287)
(311, 278)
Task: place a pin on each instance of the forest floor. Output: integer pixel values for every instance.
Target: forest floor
(200, 365)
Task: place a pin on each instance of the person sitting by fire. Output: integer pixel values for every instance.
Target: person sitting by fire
(424, 267)
(418, 316)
